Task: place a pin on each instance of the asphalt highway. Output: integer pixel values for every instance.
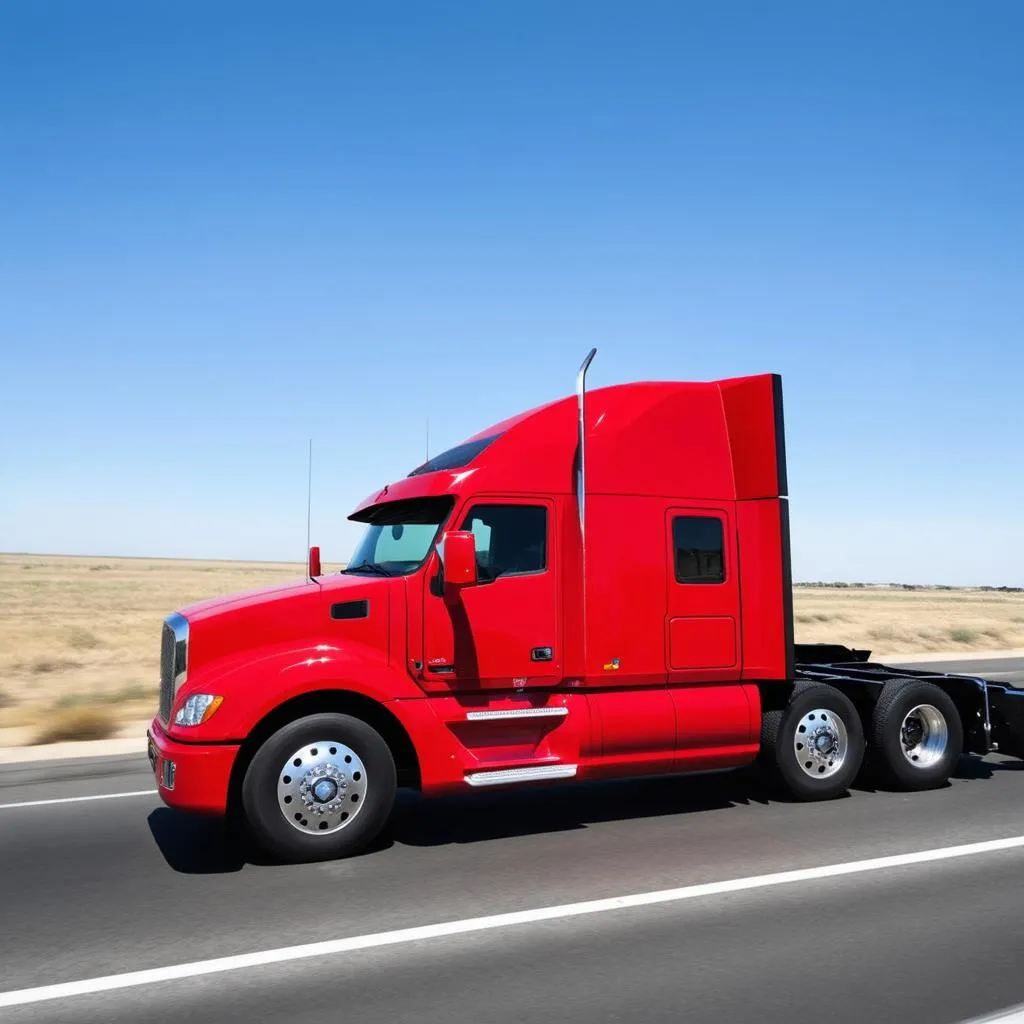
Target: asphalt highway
(92, 888)
(999, 670)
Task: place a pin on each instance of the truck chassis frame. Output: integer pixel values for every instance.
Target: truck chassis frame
(992, 713)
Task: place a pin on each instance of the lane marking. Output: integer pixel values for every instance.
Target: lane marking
(78, 799)
(355, 943)
(1011, 1015)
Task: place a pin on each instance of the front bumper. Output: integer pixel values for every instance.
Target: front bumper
(190, 776)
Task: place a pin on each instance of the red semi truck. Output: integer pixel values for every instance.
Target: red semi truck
(597, 587)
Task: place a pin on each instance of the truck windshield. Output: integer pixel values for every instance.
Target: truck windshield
(398, 536)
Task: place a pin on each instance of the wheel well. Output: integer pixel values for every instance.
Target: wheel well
(775, 694)
(344, 702)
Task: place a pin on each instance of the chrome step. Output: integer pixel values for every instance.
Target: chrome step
(485, 716)
(505, 775)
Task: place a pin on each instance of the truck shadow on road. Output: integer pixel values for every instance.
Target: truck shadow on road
(198, 846)
(970, 768)
(564, 808)
(192, 845)
(208, 846)
(568, 807)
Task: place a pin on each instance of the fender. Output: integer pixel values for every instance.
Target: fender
(253, 686)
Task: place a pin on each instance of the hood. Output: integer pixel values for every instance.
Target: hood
(293, 612)
(200, 610)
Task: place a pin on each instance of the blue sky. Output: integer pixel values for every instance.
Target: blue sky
(229, 227)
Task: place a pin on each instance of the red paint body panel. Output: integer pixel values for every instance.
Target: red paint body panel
(766, 634)
(752, 409)
(625, 609)
(653, 674)
(703, 642)
(716, 721)
(634, 727)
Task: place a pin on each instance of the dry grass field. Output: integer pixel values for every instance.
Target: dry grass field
(80, 637)
(891, 621)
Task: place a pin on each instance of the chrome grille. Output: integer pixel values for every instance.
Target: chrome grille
(166, 672)
(173, 662)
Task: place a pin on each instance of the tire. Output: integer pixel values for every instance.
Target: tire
(932, 720)
(320, 788)
(810, 773)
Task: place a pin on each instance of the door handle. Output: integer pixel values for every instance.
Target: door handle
(541, 654)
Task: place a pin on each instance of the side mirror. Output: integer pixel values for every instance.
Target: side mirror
(458, 556)
(313, 566)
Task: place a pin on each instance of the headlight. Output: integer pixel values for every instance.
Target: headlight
(197, 709)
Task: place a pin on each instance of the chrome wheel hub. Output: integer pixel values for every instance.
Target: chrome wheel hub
(924, 735)
(326, 790)
(322, 787)
(820, 743)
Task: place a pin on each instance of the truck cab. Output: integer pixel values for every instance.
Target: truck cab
(596, 587)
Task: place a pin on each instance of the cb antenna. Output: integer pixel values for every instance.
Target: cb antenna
(309, 510)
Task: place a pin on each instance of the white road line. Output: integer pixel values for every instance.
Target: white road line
(78, 799)
(177, 972)
(1011, 1015)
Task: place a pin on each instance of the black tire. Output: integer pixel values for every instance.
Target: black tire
(891, 765)
(781, 730)
(265, 817)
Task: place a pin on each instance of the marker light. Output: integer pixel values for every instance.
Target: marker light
(197, 709)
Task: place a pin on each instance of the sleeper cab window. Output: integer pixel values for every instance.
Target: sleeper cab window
(699, 544)
(511, 540)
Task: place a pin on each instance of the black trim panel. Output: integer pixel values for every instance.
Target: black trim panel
(350, 610)
(787, 590)
(780, 435)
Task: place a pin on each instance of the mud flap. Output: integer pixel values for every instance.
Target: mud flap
(1006, 707)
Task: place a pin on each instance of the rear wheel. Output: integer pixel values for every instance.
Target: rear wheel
(321, 787)
(814, 747)
(916, 735)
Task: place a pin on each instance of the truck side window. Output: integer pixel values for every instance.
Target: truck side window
(510, 539)
(699, 549)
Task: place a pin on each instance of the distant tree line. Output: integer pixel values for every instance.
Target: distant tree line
(844, 585)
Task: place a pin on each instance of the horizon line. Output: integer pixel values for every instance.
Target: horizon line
(838, 584)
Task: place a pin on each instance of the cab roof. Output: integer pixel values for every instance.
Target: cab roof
(713, 440)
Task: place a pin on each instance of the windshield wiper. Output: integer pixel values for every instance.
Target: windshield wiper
(372, 566)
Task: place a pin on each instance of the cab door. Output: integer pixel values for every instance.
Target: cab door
(702, 625)
(716, 725)
(503, 633)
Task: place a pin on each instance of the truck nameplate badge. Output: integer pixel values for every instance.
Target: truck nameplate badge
(611, 666)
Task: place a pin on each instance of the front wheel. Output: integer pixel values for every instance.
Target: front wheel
(321, 787)
(815, 746)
